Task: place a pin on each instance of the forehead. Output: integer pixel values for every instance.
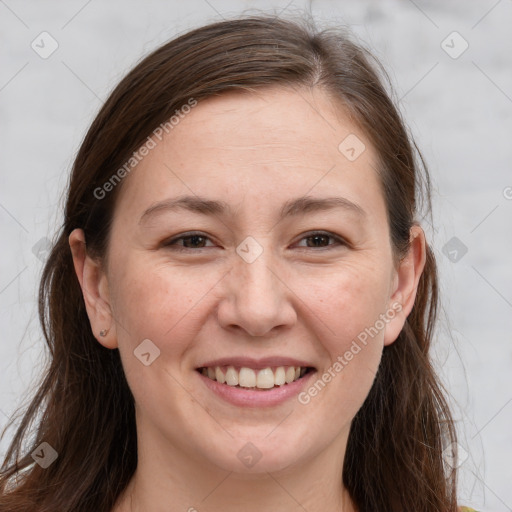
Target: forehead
(266, 145)
(264, 125)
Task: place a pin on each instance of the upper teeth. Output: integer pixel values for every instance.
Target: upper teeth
(248, 378)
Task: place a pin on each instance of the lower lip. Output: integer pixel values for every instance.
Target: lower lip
(243, 397)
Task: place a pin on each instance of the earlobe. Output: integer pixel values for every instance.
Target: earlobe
(94, 285)
(405, 283)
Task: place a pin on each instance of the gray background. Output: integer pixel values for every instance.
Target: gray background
(459, 109)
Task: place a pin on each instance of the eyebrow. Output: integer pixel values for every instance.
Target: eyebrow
(293, 207)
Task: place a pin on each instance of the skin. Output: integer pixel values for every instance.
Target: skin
(254, 151)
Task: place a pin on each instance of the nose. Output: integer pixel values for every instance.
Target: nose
(258, 299)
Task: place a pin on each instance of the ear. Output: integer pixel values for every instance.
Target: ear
(94, 284)
(405, 284)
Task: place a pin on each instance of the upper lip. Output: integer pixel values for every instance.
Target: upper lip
(247, 362)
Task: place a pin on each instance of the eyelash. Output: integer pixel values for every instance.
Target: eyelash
(173, 242)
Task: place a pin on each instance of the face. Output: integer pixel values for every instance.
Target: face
(278, 258)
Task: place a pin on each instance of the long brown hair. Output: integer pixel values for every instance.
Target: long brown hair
(83, 405)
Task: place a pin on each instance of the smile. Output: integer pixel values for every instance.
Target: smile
(249, 378)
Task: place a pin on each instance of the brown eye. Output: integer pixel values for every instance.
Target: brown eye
(189, 241)
(318, 240)
(321, 240)
(194, 241)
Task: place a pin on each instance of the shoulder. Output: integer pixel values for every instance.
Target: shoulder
(467, 509)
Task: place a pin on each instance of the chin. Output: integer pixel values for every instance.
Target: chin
(260, 456)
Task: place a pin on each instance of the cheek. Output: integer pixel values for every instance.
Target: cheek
(151, 301)
(349, 302)
(352, 312)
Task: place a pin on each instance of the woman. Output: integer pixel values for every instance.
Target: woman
(240, 304)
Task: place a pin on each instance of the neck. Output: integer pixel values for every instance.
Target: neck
(168, 480)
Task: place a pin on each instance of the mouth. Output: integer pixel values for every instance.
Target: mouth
(255, 379)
